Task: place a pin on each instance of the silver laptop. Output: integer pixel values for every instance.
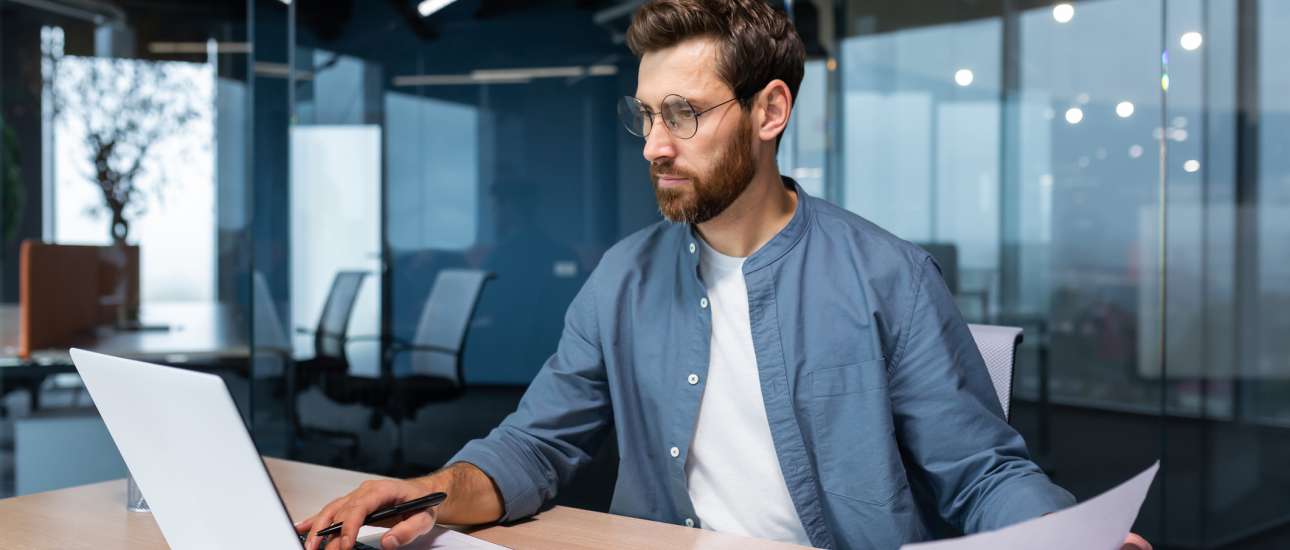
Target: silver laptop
(184, 441)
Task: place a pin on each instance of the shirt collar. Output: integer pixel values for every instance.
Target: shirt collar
(775, 248)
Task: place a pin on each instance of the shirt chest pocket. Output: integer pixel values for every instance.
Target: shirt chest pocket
(854, 435)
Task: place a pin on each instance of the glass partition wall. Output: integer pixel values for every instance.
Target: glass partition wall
(123, 146)
(1098, 173)
(405, 149)
(1110, 175)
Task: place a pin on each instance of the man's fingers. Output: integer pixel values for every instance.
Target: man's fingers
(311, 537)
(408, 530)
(335, 542)
(321, 521)
(312, 541)
(350, 510)
(352, 519)
(1135, 542)
(369, 498)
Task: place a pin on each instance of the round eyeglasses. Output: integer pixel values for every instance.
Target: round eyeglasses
(679, 116)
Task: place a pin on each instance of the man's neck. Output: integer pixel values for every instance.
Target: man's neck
(763, 209)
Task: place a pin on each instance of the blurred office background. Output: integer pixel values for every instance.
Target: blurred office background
(369, 217)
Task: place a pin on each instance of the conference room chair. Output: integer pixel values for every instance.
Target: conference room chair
(434, 355)
(998, 346)
(328, 369)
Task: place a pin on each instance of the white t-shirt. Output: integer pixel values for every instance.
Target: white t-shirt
(732, 470)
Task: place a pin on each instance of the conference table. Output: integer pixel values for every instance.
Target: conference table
(94, 517)
(173, 332)
(197, 335)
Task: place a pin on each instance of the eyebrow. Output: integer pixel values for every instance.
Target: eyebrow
(697, 105)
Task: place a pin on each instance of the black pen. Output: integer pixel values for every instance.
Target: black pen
(428, 501)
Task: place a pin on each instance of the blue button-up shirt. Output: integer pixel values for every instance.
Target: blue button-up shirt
(881, 410)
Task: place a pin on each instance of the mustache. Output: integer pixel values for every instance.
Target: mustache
(667, 168)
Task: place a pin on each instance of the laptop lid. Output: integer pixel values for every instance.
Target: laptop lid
(183, 439)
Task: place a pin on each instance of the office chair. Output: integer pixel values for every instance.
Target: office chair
(435, 353)
(998, 347)
(329, 367)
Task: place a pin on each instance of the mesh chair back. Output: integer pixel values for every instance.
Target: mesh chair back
(998, 347)
(441, 332)
(333, 324)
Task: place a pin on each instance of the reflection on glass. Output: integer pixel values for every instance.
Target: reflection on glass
(335, 226)
(432, 151)
(1100, 181)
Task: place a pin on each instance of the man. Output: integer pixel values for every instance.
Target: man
(775, 366)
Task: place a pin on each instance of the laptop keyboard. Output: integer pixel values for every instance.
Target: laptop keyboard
(357, 545)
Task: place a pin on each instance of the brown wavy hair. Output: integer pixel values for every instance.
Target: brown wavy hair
(756, 43)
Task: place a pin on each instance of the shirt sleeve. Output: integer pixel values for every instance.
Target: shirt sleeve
(950, 422)
(560, 423)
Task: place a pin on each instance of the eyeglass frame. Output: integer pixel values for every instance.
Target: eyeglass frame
(689, 105)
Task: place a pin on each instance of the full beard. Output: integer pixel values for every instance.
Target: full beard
(708, 196)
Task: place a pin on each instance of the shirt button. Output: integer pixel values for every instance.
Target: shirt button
(703, 303)
(692, 248)
(692, 379)
(675, 452)
(689, 522)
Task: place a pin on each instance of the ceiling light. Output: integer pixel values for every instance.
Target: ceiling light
(1063, 13)
(1124, 109)
(427, 7)
(1074, 115)
(1191, 40)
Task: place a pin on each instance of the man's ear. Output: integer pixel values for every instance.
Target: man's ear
(774, 105)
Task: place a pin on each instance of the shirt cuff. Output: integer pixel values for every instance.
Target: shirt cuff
(520, 498)
(1023, 499)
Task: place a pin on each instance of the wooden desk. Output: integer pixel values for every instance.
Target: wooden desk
(94, 517)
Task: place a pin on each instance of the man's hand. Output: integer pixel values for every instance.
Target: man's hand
(1135, 542)
(369, 497)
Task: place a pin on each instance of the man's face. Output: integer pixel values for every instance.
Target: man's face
(695, 179)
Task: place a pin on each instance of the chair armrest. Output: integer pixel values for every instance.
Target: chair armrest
(395, 343)
(400, 347)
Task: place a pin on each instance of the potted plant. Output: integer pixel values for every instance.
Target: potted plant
(125, 108)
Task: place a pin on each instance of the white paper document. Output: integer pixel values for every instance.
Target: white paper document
(1100, 523)
(439, 538)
